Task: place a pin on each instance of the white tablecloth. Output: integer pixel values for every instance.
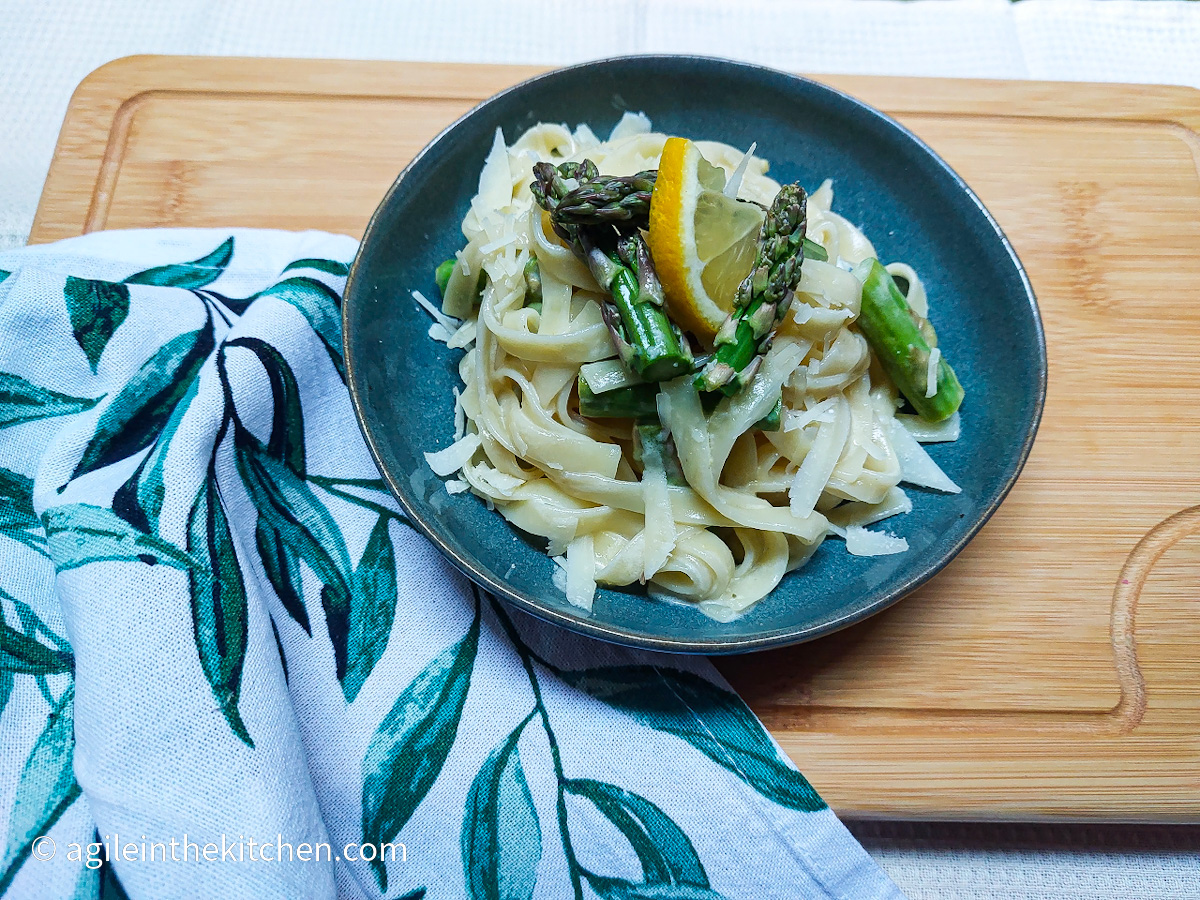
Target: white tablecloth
(47, 46)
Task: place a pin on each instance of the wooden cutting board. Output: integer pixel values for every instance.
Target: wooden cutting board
(1053, 669)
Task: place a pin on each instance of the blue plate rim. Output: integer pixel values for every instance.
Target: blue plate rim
(721, 645)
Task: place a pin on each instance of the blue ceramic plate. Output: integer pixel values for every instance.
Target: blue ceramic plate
(909, 203)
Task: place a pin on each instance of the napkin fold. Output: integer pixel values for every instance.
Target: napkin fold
(230, 668)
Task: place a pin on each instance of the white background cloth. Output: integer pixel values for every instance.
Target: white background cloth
(47, 46)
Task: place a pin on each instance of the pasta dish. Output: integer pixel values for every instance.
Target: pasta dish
(679, 372)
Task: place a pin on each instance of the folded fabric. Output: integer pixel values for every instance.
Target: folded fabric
(230, 668)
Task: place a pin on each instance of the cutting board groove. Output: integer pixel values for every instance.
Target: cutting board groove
(1053, 669)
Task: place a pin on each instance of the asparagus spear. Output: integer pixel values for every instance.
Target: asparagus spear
(638, 401)
(442, 275)
(773, 419)
(646, 340)
(533, 282)
(813, 250)
(609, 199)
(762, 298)
(902, 341)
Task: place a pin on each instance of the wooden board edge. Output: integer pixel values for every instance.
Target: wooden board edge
(90, 138)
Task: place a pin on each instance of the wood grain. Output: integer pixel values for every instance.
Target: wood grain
(1052, 670)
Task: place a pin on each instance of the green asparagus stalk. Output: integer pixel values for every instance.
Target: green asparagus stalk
(533, 282)
(442, 275)
(634, 253)
(813, 250)
(902, 341)
(609, 200)
(647, 342)
(638, 401)
(773, 420)
(763, 298)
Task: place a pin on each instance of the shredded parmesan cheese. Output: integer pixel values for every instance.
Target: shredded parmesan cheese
(581, 572)
(447, 322)
(931, 432)
(916, 466)
(448, 461)
(821, 412)
(735, 180)
(861, 542)
(460, 416)
(631, 123)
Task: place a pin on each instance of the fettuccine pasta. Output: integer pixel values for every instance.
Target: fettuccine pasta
(756, 504)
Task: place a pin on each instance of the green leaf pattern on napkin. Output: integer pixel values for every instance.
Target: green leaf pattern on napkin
(22, 401)
(218, 602)
(501, 838)
(410, 746)
(97, 309)
(195, 274)
(299, 556)
(46, 788)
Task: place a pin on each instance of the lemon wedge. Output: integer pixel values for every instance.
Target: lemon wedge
(703, 242)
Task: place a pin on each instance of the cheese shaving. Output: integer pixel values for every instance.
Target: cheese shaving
(631, 123)
(861, 542)
(581, 572)
(927, 432)
(916, 466)
(447, 322)
(448, 461)
(735, 180)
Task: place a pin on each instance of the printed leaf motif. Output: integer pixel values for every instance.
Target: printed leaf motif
(714, 721)
(666, 854)
(16, 500)
(194, 274)
(139, 500)
(23, 401)
(218, 603)
(279, 650)
(619, 889)
(134, 418)
(331, 266)
(6, 686)
(96, 309)
(100, 883)
(4, 273)
(80, 533)
(287, 423)
(282, 565)
(46, 787)
(17, 518)
(412, 742)
(321, 306)
(288, 505)
(372, 608)
(501, 839)
(24, 653)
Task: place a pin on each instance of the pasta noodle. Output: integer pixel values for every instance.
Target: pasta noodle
(756, 503)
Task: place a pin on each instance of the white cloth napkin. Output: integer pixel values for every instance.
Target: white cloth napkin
(223, 644)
